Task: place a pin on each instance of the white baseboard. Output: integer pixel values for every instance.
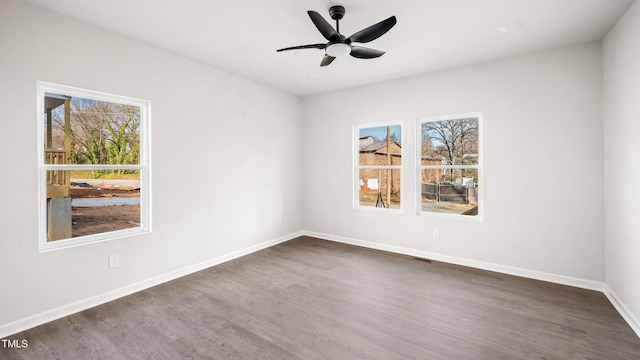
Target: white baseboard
(65, 310)
(622, 309)
(531, 274)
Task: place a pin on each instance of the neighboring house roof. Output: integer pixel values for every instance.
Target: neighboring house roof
(376, 147)
(366, 140)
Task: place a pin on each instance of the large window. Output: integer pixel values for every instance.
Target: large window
(93, 161)
(450, 166)
(378, 166)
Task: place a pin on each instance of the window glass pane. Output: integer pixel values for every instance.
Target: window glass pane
(448, 146)
(89, 220)
(85, 131)
(87, 206)
(379, 188)
(441, 195)
(450, 142)
(374, 142)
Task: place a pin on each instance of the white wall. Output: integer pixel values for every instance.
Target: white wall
(225, 161)
(543, 164)
(621, 165)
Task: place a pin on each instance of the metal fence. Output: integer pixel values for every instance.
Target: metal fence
(446, 192)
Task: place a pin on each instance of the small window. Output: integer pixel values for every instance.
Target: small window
(450, 166)
(378, 166)
(93, 164)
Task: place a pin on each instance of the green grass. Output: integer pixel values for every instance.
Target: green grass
(88, 174)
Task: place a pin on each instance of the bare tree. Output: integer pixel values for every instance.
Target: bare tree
(102, 132)
(452, 139)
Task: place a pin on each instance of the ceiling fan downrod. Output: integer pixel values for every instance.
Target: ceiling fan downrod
(337, 13)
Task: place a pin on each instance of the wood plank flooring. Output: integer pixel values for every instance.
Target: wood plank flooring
(315, 299)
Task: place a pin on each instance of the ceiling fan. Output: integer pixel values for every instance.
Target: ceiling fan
(338, 44)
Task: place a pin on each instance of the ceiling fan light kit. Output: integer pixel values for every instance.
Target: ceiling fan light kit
(338, 44)
(338, 50)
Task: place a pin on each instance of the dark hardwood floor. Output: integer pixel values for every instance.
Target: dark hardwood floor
(315, 299)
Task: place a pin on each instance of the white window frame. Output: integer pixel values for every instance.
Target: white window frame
(357, 167)
(479, 166)
(144, 167)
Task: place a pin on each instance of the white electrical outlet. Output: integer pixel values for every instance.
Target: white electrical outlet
(114, 261)
(436, 233)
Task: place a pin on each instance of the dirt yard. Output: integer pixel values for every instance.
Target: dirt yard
(99, 219)
(446, 207)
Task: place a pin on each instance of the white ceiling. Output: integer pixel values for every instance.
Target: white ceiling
(241, 37)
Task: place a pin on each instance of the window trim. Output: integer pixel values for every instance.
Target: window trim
(479, 166)
(144, 166)
(357, 167)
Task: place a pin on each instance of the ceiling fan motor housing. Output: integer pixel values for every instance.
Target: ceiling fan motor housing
(336, 12)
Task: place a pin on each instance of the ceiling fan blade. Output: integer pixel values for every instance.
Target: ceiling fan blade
(325, 29)
(374, 31)
(365, 53)
(326, 60)
(312, 46)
